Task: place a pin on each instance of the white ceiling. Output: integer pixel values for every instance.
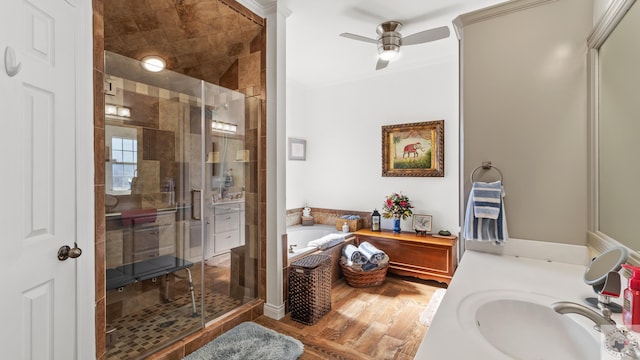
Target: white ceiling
(317, 55)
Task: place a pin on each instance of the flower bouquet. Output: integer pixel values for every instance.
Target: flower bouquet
(397, 206)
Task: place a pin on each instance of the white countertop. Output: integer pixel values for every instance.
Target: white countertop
(450, 337)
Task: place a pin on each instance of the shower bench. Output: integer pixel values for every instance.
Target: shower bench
(128, 274)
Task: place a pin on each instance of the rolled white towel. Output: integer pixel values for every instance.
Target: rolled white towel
(371, 253)
(353, 255)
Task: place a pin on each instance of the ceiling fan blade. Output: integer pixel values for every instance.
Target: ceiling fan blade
(382, 64)
(426, 36)
(359, 38)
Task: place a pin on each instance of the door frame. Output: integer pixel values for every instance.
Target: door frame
(85, 182)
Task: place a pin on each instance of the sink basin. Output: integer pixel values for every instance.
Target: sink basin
(519, 325)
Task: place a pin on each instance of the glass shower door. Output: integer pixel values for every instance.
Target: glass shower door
(153, 176)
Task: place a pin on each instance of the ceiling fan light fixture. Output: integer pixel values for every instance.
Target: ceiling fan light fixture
(389, 40)
(153, 63)
(388, 54)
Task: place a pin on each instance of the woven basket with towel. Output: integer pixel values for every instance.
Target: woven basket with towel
(364, 266)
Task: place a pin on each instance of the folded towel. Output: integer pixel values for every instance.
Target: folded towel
(487, 199)
(372, 253)
(485, 229)
(325, 239)
(331, 243)
(353, 255)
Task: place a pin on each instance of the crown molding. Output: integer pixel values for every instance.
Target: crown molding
(494, 11)
(257, 7)
(609, 20)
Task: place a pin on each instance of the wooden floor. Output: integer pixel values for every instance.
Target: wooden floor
(365, 323)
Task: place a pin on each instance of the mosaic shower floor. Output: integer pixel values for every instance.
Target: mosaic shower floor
(140, 333)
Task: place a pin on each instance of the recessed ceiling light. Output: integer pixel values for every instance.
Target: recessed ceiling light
(153, 63)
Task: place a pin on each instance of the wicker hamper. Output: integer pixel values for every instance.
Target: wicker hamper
(357, 278)
(310, 288)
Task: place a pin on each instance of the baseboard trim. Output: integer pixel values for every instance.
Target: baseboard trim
(274, 311)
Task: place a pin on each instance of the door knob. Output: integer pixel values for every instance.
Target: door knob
(66, 252)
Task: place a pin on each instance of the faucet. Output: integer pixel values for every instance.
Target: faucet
(616, 341)
(291, 249)
(567, 307)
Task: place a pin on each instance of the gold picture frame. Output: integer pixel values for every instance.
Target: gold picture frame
(415, 149)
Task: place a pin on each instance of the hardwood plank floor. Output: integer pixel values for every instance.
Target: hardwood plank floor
(365, 323)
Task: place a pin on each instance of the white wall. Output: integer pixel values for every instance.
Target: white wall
(525, 109)
(342, 125)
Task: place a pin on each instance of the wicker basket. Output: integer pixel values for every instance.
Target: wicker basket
(354, 225)
(360, 279)
(310, 288)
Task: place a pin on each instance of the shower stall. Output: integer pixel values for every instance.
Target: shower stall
(181, 205)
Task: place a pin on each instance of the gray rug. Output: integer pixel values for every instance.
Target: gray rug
(249, 341)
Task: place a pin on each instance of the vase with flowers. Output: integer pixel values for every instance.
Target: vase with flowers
(397, 206)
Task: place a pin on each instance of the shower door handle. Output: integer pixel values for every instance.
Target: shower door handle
(195, 215)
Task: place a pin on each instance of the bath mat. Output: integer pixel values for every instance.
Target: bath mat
(430, 311)
(249, 341)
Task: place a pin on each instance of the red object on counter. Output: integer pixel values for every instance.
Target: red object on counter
(631, 300)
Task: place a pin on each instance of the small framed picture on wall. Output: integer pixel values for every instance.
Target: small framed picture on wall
(297, 149)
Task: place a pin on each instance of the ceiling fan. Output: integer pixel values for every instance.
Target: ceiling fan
(389, 40)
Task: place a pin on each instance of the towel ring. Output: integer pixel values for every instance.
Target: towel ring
(486, 165)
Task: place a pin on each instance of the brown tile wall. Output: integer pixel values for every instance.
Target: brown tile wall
(326, 216)
(251, 85)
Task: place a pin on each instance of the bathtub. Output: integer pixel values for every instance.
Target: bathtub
(299, 236)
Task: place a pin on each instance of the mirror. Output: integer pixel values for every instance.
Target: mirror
(602, 274)
(618, 125)
(596, 273)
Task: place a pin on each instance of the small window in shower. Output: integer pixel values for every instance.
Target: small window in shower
(121, 170)
(124, 157)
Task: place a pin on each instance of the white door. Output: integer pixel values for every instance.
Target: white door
(38, 186)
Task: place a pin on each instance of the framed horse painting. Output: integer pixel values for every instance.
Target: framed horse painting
(415, 149)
